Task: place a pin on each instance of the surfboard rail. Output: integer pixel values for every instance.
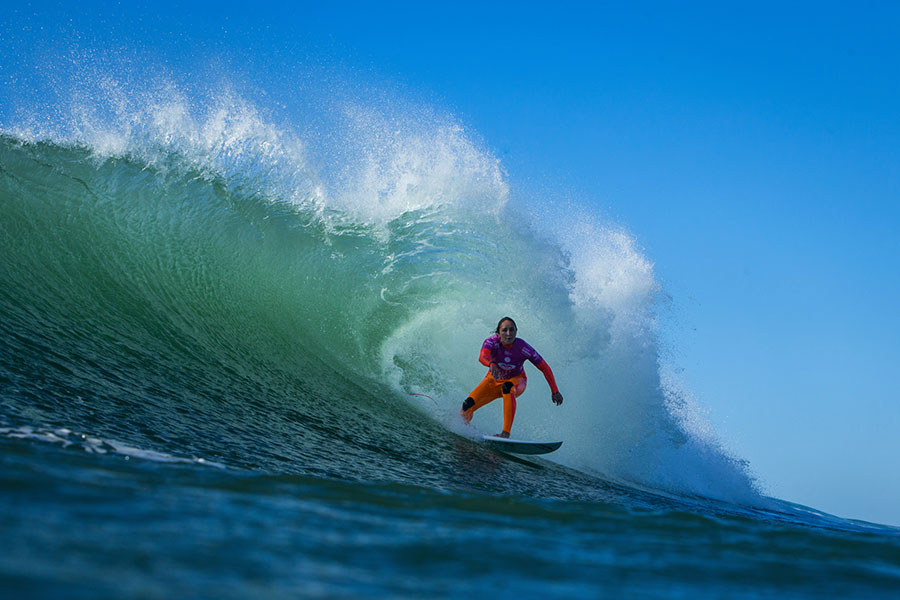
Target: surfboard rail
(514, 446)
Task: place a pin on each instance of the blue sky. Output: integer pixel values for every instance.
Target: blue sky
(752, 149)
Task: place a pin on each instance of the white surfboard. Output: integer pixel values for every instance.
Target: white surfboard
(519, 446)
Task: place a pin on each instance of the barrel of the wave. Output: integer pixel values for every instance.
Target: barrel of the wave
(505, 354)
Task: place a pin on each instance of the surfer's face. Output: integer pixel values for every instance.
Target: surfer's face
(507, 333)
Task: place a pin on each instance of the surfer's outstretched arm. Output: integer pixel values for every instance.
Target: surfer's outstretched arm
(551, 381)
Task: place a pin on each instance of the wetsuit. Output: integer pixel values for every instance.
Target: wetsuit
(511, 362)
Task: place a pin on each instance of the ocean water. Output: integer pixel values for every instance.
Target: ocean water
(232, 356)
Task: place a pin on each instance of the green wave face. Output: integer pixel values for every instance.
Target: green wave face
(171, 308)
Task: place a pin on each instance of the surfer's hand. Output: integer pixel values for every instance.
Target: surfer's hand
(496, 372)
(557, 398)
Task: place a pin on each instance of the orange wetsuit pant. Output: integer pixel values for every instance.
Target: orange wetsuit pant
(489, 390)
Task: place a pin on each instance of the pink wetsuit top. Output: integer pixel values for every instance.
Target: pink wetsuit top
(511, 359)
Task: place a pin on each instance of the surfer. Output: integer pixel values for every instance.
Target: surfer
(504, 355)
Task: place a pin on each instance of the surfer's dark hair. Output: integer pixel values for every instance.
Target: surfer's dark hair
(500, 322)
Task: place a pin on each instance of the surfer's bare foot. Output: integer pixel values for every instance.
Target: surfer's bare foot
(503, 434)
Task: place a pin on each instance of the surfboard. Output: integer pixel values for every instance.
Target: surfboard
(519, 446)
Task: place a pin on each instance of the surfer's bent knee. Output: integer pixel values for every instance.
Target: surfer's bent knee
(468, 403)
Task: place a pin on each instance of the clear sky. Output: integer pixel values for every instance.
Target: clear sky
(753, 149)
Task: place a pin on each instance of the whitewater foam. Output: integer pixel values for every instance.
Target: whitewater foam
(66, 438)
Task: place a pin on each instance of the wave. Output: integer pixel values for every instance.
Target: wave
(177, 272)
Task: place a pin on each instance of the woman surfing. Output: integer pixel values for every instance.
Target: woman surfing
(504, 354)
